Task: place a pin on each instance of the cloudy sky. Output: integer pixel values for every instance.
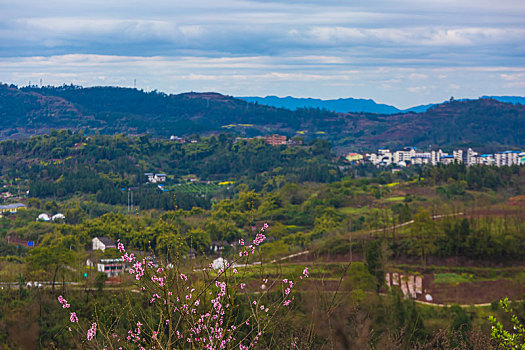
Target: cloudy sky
(400, 52)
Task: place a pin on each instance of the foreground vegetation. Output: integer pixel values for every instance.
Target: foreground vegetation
(459, 228)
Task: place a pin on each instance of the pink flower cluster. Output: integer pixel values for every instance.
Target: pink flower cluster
(92, 332)
(259, 238)
(159, 280)
(138, 269)
(305, 273)
(210, 329)
(134, 336)
(287, 291)
(63, 301)
(120, 246)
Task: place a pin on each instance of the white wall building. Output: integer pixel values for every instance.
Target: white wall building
(102, 243)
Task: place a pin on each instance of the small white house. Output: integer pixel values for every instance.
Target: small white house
(43, 217)
(58, 217)
(160, 177)
(102, 243)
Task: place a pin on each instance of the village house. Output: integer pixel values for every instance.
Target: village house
(111, 267)
(177, 139)
(275, 140)
(12, 208)
(43, 217)
(154, 178)
(102, 243)
(58, 217)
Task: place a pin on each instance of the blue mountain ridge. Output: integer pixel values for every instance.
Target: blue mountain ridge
(345, 105)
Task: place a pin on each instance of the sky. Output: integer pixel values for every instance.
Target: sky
(400, 52)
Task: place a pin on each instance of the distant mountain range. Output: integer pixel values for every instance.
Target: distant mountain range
(484, 123)
(342, 105)
(348, 105)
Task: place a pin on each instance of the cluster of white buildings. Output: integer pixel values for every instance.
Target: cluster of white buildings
(411, 156)
(59, 217)
(155, 178)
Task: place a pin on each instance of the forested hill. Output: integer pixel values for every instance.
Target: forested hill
(108, 110)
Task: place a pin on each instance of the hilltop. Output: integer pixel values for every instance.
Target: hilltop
(27, 111)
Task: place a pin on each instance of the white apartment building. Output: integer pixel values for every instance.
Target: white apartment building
(406, 154)
(507, 158)
(470, 157)
(409, 155)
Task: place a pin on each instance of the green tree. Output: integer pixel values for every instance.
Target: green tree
(359, 277)
(374, 261)
(49, 260)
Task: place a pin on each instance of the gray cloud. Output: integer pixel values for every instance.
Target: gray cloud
(270, 47)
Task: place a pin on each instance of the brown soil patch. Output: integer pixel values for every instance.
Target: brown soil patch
(472, 292)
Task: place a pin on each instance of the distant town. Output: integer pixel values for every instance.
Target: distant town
(411, 156)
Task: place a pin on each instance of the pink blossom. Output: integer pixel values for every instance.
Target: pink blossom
(92, 332)
(120, 246)
(259, 238)
(305, 272)
(63, 301)
(73, 318)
